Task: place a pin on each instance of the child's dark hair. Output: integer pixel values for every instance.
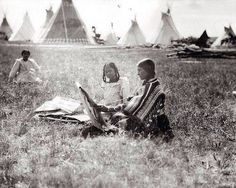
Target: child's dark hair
(25, 51)
(114, 67)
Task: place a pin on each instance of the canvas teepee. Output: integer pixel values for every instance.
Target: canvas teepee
(230, 32)
(134, 36)
(48, 16)
(25, 32)
(203, 40)
(65, 26)
(111, 37)
(168, 31)
(226, 39)
(5, 29)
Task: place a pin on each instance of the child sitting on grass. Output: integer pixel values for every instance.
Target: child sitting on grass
(144, 113)
(115, 88)
(25, 70)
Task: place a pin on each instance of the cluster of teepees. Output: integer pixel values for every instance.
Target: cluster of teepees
(5, 29)
(228, 38)
(65, 26)
(168, 32)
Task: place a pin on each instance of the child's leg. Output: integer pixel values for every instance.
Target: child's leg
(163, 123)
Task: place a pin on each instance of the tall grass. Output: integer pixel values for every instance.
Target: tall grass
(51, 154)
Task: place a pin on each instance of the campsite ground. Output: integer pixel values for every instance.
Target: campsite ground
(49, 154)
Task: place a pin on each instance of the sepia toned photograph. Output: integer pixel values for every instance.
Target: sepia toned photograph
(117, 93)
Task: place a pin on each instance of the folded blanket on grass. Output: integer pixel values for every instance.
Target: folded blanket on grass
(62, 109)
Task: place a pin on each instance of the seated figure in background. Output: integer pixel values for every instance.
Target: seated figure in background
(25, 70)
(144, 112)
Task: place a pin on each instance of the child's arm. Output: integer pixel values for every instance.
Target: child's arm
(103, 108)
(35, 65)
(14, 70)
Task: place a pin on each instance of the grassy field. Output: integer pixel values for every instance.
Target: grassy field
(49, 154)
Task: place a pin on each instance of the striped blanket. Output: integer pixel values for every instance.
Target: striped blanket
(151, 102)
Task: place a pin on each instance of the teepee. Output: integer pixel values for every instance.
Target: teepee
(226, 39)
(168, 31)
(203, 40)
(25, 32)
(65, 26)
(48, 16)
(5, 29)
(111, 38)
(134, 36)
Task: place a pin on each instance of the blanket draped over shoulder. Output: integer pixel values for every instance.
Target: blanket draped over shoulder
(149, 104)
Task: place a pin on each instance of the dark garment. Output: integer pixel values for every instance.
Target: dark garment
(159, 125)
(142, 104)
(154, 125)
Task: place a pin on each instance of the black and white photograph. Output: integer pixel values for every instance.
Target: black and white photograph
(117, 93)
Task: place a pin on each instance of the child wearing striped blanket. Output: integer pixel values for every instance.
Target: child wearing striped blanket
(144, 113)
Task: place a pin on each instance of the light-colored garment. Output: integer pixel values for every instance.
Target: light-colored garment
(115, 93)
(25, 71)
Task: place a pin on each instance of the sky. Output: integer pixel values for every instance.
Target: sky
(191, 17)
